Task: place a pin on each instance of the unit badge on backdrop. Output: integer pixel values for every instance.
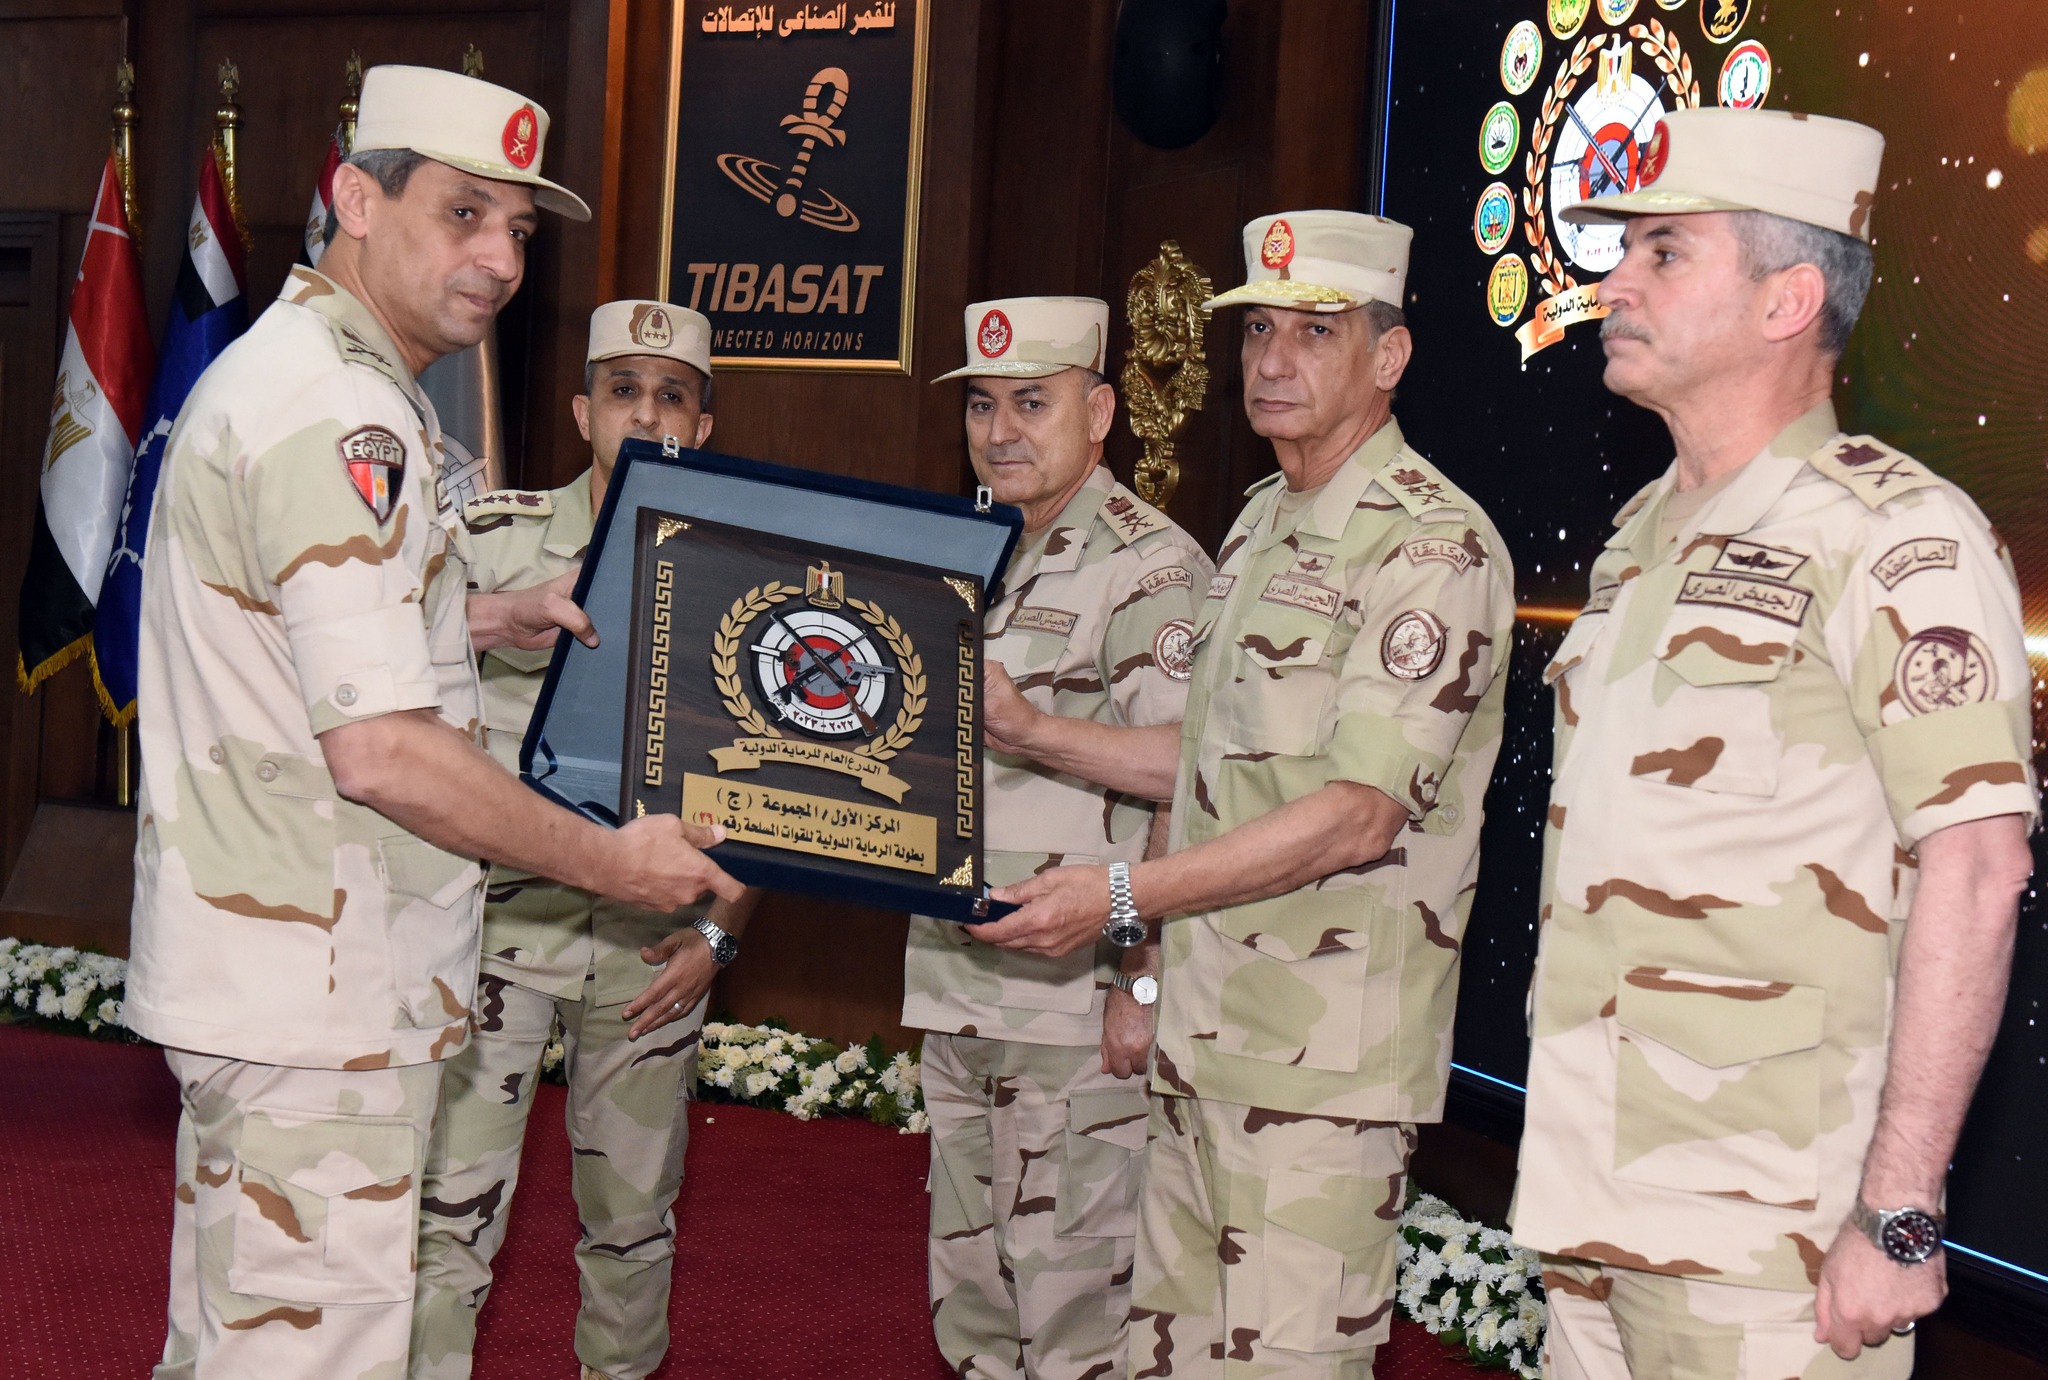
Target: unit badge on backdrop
(1586, 83)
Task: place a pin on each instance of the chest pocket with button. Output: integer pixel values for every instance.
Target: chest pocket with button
(1284, 671)
(1712, 726)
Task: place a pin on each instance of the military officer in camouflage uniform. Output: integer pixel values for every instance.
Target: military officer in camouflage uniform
(1034, 1066)
(1788, 818)
(1341, 725)
(314, 796)
(554, 951)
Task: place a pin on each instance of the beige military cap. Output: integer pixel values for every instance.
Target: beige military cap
(463, 122)
(1033, 337)
(1321, 261)
(1803, 167)
(651, 328)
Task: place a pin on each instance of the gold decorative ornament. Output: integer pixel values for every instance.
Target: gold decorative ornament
(963, 875)
(1164, 308)
(124, 146)
(965, 590)
(473, 62)
(227, 118)
(352, 79)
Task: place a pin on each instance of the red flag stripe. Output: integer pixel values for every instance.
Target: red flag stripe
(213, 199)
(107, 310)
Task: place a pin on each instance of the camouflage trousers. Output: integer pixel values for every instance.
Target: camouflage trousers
(1614, 1324)
(628, 1121)
(1267, 1242)
(292, 1229)
(1032, 1179)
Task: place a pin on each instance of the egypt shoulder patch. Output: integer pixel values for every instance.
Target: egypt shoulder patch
(1911, 557)
(1172, 577)
(1871, 470)
(1451, 553)
(1174, 649)
(1413, 645)
(1055, 621)
(509, 503)
(1944, 668)
(375, 460)
(1765, 597)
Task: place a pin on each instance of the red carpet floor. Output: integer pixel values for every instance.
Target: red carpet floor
(802, 1244)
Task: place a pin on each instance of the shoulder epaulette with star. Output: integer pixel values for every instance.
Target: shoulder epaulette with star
(1871, 470)
(509, 503)
(1421, 488)
(1130, 517)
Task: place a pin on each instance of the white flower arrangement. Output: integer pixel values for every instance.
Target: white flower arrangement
(1471, 1285)
(62, 988)
(767, 1066)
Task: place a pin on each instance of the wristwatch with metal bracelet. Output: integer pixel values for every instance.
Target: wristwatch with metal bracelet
(1125, 929)
(724, 947)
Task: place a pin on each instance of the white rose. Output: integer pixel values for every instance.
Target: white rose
(73, 1004)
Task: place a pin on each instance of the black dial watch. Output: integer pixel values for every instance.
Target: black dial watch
(1125, 929)
(1907, 1235)
(724, 947)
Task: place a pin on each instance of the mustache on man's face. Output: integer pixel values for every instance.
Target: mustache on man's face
(1619, 327)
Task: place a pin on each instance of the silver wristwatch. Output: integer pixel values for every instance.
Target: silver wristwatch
(1907, 1235)
(1125, 929)
(724, 947)
(1144, 989)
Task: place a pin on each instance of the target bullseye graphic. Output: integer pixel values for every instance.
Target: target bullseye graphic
(821, 673)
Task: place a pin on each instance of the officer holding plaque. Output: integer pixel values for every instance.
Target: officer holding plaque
(555, 951)
(314, 791)
(1034, 1067)
(1327, 790)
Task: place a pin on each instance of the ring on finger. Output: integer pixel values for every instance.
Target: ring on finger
(1907, 1328)
(676, 1007)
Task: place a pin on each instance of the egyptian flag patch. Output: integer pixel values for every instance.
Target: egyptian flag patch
(375, 458)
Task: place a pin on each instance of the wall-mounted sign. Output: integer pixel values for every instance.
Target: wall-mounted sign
(795, 142)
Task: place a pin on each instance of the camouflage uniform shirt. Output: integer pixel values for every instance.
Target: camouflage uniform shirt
(1755, 728)
(1093, 623)
(1361, 640)
(275, 922)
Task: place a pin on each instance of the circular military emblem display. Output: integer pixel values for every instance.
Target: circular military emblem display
(1494, 221)
(1500, 138)
(1174, 649)
(993, 337)
(1944, 668)
(1598, 152)
(1721, 20)
(1746, 76)
(820, 672)
(1507, 289)
(1276, 250)
(1565, 16)
(1413, 646)
(1616, 12)
(1521, 57)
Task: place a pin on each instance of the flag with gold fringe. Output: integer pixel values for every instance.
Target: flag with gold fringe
(96, 411)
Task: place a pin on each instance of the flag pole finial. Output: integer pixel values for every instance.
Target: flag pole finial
(124, 145)
(352, 78)
(473, 62)
(227, 119)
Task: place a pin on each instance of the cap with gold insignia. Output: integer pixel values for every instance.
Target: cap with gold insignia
(1321, 261)
(651, 328)
(1808, 168)
(463, 122)
(1033, 337)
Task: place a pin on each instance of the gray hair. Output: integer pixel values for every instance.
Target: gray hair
(1383, 317)
(392, 168)
(1092, 379)
(703, 386)
(1771, 244)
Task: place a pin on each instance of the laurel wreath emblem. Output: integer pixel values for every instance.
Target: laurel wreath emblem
(1662, 46)
(725, 673)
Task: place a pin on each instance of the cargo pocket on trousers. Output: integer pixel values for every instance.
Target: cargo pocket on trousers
(1098, 1187)
(1330, 1244)
(326, 1210)
(1717, 1084)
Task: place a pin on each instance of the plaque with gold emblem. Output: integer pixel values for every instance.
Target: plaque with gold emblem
(819, 701)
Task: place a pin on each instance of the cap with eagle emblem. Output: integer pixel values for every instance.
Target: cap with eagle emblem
(1033, 337)
(463, 122)
(635, 327)
(1809, 168)
(1321, 261)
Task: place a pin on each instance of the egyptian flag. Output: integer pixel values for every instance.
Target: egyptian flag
(323, 197)
(209, 309)
(95, 416)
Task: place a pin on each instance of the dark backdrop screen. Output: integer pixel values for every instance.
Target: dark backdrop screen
(1484, 134)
